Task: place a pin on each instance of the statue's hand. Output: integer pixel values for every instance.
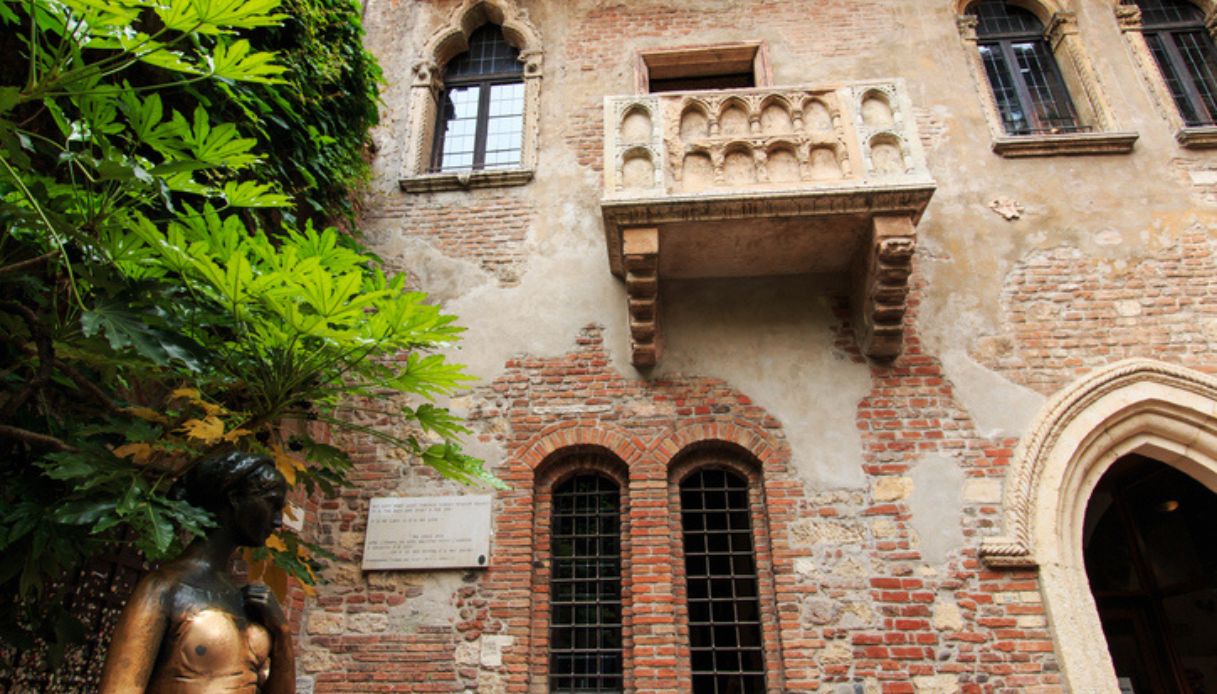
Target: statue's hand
(263, 608)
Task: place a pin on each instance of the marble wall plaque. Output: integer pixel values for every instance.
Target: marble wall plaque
(427, 532)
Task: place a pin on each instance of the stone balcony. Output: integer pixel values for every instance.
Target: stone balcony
(828, 181)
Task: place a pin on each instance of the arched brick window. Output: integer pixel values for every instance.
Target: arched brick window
(481, 108)
(585, 640)
(726, 643)
(1175, 33)
(1022, 71)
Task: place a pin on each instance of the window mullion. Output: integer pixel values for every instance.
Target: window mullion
(1186, 77)
(1030, 116)
(483, 125)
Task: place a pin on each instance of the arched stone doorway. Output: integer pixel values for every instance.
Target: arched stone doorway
(1149, 542)
(1135, 407)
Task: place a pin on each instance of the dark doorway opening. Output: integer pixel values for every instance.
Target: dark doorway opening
(1150, 543)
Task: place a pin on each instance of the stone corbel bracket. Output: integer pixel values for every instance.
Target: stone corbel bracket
(642, 285)
(882, 299)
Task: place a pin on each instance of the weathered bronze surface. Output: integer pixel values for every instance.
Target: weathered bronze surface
(188, 627)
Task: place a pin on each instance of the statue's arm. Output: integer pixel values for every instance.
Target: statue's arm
(282, 678)
(265, 609)
(137, 639)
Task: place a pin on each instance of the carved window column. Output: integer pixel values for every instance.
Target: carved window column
(425, 87)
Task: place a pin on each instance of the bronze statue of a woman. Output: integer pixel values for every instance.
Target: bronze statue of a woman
(188, 627)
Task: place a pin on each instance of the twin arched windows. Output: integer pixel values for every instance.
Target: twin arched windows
(726, 650)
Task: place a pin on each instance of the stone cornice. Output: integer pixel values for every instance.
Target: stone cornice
(1064, 144)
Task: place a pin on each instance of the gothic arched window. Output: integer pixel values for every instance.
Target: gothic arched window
(1175, 33)
(1022, 71)
(481, 109)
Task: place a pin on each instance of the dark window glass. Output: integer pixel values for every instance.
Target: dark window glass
(1183, 49)
(1027, 85)
(720, 568)
(731, 80)
(1149, 536)
(481, 109)
(585, 587)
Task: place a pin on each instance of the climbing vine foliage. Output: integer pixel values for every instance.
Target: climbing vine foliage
(168, 284)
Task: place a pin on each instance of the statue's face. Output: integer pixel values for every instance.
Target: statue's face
(258, 507)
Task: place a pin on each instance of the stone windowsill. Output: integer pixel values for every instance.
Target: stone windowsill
(1198, 137)
(465, 180)
(1064, 144)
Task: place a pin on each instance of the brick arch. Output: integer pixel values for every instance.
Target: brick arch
(755, 441)
(566, 435)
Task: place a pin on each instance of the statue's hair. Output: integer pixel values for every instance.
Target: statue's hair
(208, 482)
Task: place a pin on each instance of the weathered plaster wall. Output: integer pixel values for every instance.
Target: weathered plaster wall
(894, 471)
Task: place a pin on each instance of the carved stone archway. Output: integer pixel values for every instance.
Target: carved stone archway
(1158, 410)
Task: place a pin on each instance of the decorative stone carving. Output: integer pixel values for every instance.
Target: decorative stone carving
(882, 301)
(1128, 17)
(642, 286)
(789, 161)
(1008, 209)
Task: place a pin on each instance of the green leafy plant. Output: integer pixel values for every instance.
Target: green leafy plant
(168, 284)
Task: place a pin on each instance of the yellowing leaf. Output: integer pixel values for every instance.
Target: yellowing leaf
(197, 400)
(287, 464)
(140, 453)
(235, 434)
(254, 568)
(276, 579)
(207, 430)
(276, 543)
(148, 414)
(191, 394)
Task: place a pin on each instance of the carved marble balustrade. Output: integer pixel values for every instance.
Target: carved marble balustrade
(827, 181)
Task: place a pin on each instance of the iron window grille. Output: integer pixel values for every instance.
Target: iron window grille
(725, 643)
(481, 109)
(585, 586)
(1175, 33)
(1026, 81)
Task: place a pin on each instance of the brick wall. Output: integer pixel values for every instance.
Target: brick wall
(1067, 312)
(845, 595)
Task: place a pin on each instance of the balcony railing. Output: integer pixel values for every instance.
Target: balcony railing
(800, 176)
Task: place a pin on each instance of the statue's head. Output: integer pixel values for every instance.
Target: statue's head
(242, 490)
